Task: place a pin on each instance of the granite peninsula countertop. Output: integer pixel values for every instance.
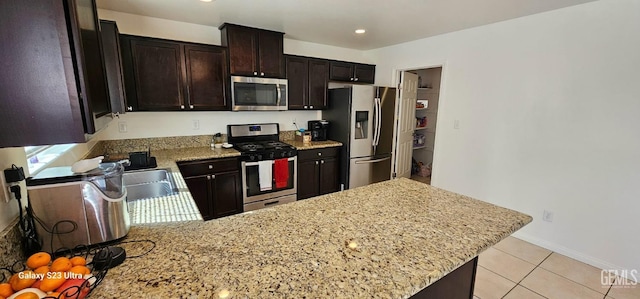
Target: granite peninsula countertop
(408, 235)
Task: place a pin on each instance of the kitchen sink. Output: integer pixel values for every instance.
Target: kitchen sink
(149, 183)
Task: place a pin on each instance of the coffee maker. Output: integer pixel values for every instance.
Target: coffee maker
(318, 129)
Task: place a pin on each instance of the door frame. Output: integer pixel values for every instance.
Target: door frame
(397, 76)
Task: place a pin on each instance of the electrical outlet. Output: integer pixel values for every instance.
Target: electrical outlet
(547, 216)
(195, 124)
(122, 126)
(456, 124)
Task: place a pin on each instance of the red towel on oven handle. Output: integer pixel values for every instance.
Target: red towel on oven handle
(281, 172)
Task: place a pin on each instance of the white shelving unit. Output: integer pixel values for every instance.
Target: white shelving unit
(428, 92)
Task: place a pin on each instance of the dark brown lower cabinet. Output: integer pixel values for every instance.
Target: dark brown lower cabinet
(318, 172)
(458, 284)
(214, 185)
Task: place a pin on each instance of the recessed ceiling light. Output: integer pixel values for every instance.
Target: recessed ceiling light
(360, 31)
(206, 0)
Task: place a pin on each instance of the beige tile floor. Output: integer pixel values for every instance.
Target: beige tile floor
(515, 269)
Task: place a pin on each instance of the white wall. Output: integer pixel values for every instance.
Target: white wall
(548, 108)
(160, 124)
(9, 210)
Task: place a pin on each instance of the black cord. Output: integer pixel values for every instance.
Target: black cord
(153, 246)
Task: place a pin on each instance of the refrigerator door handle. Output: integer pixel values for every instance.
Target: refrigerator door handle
(377, 119)
(372, 161)
(379, 126)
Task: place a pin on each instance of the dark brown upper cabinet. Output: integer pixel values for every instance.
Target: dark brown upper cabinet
(352, 72)
(52, 84)
(165, 75)
(308, 80)
(253, 52)
(113, 65)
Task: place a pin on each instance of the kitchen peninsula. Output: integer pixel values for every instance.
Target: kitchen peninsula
(391, 239)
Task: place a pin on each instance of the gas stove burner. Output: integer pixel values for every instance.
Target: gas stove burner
(250, 147)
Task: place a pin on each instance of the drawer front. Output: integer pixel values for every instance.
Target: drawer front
(195, 168)
(320, 153)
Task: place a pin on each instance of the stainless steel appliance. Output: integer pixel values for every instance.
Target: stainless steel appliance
(362, 118)
(253, 93)
(318, 129)
(73, 209)
(264, 160)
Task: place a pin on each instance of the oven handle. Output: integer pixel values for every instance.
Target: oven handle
(272, 162)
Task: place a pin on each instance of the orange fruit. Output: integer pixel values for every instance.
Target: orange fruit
(52, 281)
(27, 295)
(61, 264)
(22, 280)
(78, 261)
(80, 270)
(38, 260)
(41, 270)
(5, 290)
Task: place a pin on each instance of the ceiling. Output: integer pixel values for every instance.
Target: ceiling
(333, 22)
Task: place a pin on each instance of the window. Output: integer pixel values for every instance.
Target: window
(40, 156)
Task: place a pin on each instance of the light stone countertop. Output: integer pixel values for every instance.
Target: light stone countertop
(408, 235)
(301, 146)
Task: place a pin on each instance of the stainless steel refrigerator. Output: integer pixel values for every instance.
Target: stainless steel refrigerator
(362, 118)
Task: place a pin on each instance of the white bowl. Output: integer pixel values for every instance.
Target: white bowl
(227, 145)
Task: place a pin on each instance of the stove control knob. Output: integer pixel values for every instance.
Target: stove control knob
(291, 154)
(271, 155)
(259, 157)
(252, 157)
(282, 154)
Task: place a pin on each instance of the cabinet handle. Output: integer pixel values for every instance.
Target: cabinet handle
(130, 108)
(351, 79)
(182, 107)
(255, 73)
(310, 107)
(355, 79)
(316, 162)
(210, 166)
(262, 74)
(319, 154)
(213, 176)
(306, 107)
(208, 177)
(190, 106)
(321, 161)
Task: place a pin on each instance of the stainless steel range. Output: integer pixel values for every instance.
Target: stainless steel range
(269, 167)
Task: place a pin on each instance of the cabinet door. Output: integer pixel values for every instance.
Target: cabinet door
(318, 83)
(308, 172)
(206, 69)
(37, 81)
(113, 65)
(298, 77)
(270, 54)
(365, 73)
(225, 193)
(158, 74)
(87, 43)
(200, 191)
(242, 44)
(341, 71)
(329, 175)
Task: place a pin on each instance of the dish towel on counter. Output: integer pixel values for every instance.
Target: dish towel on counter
(281, 172)
(264, 173)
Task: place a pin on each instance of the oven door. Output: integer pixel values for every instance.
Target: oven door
(251, 182)
(249, 93)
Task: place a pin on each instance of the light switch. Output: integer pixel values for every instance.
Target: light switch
(195, 124)
(456, 124)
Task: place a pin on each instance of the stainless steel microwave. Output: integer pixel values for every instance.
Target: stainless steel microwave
(252, 93)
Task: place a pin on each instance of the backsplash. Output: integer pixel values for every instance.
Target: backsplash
(122, 146)
(10, 245)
